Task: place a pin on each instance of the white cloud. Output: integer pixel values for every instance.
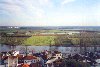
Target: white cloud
(43, 2)
(24, 8)
(66, 1)
(39, 12)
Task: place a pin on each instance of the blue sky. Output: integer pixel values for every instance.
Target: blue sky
(50, 12)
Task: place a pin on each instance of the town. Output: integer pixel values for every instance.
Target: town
(49, 59)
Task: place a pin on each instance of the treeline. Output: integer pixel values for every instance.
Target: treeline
(50, 40)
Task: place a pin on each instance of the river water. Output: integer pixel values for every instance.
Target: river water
(36, 49)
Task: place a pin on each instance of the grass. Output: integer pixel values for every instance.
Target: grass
(40, 40)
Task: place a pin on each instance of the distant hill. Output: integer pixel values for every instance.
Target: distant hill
(91, 28)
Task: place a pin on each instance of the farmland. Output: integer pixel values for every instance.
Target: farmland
(42, 37)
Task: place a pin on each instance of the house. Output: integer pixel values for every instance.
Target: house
(12, 53)
(28, 33)
(33, 61)
(98, 61)
(3, 60)
(54, 61)
(20, 59)
(30, 59)
(10, 33)
(10, 61)
(56, 56)
(4, 54)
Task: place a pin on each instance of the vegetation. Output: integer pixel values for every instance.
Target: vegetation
(47, 40)
(63, 41)
(12, 40)
(24, 37)
(40, 40)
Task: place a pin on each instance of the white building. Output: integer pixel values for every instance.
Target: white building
(53, 59)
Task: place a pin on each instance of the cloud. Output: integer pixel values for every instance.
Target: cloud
(44, 2)
(66, 1)
(48, 12)
(24, 8)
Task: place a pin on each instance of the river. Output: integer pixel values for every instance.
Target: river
(36, 49)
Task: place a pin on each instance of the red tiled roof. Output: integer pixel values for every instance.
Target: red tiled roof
(29, 57)
(20, 56)
(25, 65)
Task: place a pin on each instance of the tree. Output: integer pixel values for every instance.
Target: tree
(63, 40)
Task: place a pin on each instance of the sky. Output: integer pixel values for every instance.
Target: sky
(49, 12)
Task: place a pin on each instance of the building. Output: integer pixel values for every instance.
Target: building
(10, 61)
(30, 59)
(56, 56)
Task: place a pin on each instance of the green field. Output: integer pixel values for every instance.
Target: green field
(40, 40)
(43, 40)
